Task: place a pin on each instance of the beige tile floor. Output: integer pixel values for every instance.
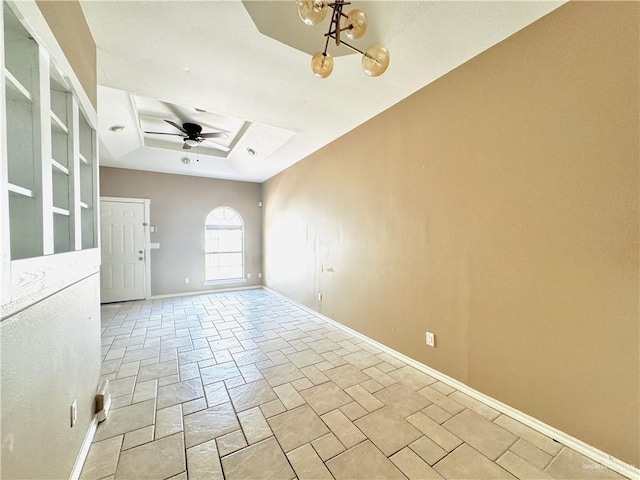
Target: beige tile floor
(245, 385)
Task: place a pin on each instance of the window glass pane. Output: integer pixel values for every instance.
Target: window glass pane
(224, 245)
(225, 241)
(224, 216)
(223, 272)
(211, 260)
(235, 259)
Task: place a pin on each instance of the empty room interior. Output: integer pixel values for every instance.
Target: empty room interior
(300, 239)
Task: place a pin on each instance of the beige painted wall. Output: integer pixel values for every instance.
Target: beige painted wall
(498, 208)
(179, 207)
(67, 22)
(50, 355)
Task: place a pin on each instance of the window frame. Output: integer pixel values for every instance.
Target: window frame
(220, 226)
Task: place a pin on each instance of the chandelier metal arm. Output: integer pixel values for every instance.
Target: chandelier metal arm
(326, 45)
(339, 5)
(335, 20)
(342, 42)
(334, 26)
(348, 27)
(364, 54)
(375, 59)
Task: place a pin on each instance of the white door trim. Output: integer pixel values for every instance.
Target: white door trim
(147, 237)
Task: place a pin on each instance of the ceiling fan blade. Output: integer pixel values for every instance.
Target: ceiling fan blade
(165, 133)
(212, 144)
(213, 135)
(186, 146)
(177, 126)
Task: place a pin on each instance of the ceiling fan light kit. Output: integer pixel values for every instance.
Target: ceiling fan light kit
(375, 59)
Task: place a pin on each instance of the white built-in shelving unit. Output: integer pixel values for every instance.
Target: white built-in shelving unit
(48, 160)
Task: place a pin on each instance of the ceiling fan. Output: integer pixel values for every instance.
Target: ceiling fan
(191, 134)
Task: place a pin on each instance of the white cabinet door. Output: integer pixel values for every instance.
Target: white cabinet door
(123, 251)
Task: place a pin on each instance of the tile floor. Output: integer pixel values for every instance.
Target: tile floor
(245, 385)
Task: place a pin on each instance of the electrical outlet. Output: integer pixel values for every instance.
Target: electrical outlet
(248, 275)
(186, 280)
(73, 412)
(7, 442)
(260, 275)
(430, 339)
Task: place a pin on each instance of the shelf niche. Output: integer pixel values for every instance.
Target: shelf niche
(50, 151)
(24, 166)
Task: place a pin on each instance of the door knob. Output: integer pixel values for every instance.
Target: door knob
(140, 258)
(140, 251)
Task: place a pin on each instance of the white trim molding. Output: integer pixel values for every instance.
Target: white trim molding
(147, 236)
(564, 438)
(34, 279)
(230, 281)
(84, 449)
(205, 292)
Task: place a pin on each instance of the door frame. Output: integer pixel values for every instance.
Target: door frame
(147, 236)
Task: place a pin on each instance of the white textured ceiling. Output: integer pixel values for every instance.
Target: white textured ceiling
(211, 56)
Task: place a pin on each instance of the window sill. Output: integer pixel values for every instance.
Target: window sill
(224, 282)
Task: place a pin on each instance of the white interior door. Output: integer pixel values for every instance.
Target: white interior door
(123, 270)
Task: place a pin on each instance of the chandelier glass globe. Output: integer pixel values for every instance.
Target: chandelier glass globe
(375, 60)
(312, 12)
(322, 65)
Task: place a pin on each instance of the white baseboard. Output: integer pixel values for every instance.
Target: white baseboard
(578, 445)
(204, 292)
(84, 449)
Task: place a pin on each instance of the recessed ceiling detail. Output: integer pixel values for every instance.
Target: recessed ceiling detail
(249, 60)
(153, 115)
(280, 21)
(224, 156)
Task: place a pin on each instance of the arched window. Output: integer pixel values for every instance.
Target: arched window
(223, 245)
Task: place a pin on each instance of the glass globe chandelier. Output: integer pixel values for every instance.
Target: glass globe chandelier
(375, 59)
